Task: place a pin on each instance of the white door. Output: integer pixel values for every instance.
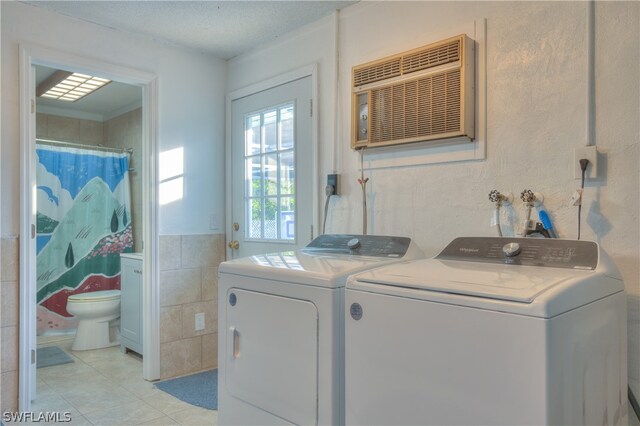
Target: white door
(271, 169)
(272, 360)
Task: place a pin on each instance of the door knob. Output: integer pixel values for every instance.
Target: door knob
(235, 244)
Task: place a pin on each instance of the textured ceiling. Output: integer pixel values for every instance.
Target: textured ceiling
(222, 28)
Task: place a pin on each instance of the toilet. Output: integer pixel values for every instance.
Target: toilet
(96, 311)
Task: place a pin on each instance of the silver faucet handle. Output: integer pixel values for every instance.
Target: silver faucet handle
(495, 196)
(527, 196)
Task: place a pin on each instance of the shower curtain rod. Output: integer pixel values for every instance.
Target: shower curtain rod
(79, 145)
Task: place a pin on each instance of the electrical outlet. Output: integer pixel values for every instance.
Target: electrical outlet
(200, 321)
(332, 180)
(591, 154)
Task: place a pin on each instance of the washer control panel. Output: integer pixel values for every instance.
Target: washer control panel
(549, 252)
(360, 245)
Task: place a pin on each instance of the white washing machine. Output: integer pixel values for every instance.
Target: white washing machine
(281, 329)
(491, 331)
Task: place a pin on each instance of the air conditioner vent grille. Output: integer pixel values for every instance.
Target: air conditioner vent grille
(416, 109)
(377, 72)
(420, 95)
(431, 57)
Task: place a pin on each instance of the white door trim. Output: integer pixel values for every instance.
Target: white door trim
(305, 71)
(39, 55)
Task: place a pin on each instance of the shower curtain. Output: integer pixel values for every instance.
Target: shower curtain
(83, 223)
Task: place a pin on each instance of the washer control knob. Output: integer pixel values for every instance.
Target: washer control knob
(511, 249)
(353, 243)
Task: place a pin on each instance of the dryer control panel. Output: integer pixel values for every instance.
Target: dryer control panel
(548, 252)
(360, 245)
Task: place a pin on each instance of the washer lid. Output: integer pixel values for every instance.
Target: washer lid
(503, 282)
(94, 296)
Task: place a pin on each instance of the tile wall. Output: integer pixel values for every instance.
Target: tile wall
(69, 129)
(9, 323)
(189, 285)
(125, 131)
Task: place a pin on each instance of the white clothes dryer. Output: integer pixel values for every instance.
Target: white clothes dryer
(281, 329)
(503, 331)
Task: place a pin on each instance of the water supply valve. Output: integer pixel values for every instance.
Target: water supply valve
(530, 198)
(500, 199)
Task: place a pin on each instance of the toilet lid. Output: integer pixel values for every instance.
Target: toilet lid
(96, 296)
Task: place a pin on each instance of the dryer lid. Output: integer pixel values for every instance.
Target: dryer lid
(327, 261)
(503, 282)
(317, 269)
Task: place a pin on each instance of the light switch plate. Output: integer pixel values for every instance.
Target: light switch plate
(591, 154)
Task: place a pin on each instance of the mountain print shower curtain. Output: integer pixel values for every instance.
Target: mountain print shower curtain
(83, 224)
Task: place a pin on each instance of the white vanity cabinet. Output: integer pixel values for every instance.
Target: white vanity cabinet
(131, 302)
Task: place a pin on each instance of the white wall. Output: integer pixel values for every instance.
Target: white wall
(314, 43)
(536, 100)
(191, 108)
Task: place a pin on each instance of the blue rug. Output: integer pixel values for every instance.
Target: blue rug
(199, 389)
(51, 355)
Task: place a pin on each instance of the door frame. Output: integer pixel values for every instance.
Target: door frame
(31, 55)
(296, 74)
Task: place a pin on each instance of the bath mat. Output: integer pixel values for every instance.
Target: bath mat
(199, 389)
(51, 355)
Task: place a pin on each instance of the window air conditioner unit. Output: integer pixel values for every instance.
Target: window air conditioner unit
(420, 95)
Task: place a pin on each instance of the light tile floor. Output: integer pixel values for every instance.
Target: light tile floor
(105, 387)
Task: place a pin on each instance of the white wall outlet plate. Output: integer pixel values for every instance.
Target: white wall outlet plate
(576, 198)
(200, 321)
(591, 154)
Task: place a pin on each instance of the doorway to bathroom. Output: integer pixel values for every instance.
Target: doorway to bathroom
(86, 158)
(88, 204)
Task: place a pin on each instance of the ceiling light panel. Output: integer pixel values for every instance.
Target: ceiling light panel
(74, 87)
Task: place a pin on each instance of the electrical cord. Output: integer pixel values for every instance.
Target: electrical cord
(527, 220)
(363, 184)
(329, 190)
(583, 166)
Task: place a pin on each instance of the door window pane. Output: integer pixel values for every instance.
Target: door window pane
(270, 174)
(287, 173)
(270, 218)
(287, 218)
(254, 177)
(286, 127)
(270, 131)
(254, 219)
(252, 135)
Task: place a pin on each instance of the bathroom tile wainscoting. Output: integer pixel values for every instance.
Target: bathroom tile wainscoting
(9, 320)
(189, 285)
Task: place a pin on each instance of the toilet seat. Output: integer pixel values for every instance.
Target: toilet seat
(95, 296)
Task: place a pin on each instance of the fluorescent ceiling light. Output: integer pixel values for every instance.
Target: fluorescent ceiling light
(67, 86)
